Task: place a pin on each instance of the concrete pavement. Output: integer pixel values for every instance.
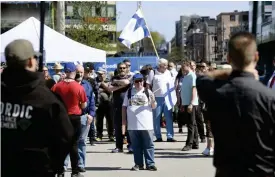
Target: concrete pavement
(170, 160)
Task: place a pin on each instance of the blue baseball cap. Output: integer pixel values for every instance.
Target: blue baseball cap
(137, 76)
(69, 67)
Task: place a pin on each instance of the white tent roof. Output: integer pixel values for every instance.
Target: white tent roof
(58, 48)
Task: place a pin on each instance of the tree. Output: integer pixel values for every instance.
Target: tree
(176, 55)
(147, 43)
(91, 24)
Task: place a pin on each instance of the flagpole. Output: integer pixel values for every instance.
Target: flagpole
(149, 33)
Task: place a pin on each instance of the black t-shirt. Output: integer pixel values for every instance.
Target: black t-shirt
(118, 95)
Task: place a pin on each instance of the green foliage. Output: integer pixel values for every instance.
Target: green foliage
(176, 55)
(89, 27)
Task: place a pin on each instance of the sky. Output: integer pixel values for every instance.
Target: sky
(161, 16)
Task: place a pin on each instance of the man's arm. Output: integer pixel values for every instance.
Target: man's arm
(150, 80)
(83, 98)
(124, 113)
(63, 133)
(92, 103)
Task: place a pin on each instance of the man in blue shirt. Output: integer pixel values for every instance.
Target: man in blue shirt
(88, 115)
(189, 102)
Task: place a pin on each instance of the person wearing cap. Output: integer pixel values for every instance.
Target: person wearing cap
(137, 114)
(36, 132)
(88, 115)
(58, 74)
(75, 100)
(103, 102)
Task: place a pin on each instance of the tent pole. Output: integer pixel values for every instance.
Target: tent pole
(41, 44)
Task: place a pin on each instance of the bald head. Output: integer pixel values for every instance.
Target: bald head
(242, 50)
(79, 68)
(79, 73)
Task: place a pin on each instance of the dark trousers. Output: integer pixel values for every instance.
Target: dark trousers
(118, 127)
(180, 119)
(192, 134)
(75, 120)
(104, 110)
(207, 124)
(199, 120)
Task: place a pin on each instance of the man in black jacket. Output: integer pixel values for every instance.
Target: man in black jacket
(242, 113)
(36, 130)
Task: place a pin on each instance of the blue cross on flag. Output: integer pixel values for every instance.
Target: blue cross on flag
(135, 30)
(170, 96)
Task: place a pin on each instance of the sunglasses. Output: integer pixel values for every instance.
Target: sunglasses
(129, 65)
(138, 81)
(122, 68)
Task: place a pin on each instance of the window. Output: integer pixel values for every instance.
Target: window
(103, 12)
(111, 11)
(232, 17)
(69, 11)
(213, 38)
(245, 17)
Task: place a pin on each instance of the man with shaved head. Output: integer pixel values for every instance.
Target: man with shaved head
(86, 118)
(242, 113)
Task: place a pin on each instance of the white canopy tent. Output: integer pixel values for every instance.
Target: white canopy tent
(57, 47)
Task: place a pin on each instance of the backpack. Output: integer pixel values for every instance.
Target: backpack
(129, 93)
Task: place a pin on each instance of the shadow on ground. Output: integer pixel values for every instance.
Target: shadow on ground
(105, 168)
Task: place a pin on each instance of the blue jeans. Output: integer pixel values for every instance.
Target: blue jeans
(162, 108)
(81, 144)
(142, 144)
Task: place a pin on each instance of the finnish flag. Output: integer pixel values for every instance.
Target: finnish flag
(170, 96)
(135, 30)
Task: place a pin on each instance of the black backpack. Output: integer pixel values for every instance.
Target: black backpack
(129, 93)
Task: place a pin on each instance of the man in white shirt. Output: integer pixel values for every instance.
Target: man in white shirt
(271, 82)
(157, 81)
(137, 105)
(173, 70)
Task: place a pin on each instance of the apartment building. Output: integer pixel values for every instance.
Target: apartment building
(181, 28)
(15, 12)
(227, 24)
(265, 34)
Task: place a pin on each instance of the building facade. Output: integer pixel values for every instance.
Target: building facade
(201, 43)
(181, 28)
(265, 34)
(105, 13)
(229, 23)
(15, 12)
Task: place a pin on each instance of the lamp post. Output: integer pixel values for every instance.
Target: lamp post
(41, 43)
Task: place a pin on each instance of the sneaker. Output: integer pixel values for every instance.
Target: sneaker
(208, 152)
(76, 175)
(137, 168)
(152, 168)
(81, 170)
(195, 146)
(158, 140)
(171, 140)
(186, 148)
(98, 139)
(117, 150)
(130, 150)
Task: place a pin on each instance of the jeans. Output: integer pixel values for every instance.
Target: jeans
(161, 107)
(81, 143)
(142, 144)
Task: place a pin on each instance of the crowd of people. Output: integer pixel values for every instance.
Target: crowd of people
(46, 120)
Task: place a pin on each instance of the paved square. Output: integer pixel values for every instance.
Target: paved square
(170, 160)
